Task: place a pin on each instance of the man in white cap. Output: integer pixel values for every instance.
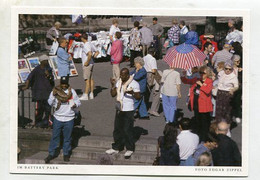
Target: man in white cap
(41, 82)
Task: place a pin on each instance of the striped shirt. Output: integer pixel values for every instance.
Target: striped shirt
(174, 34)
(222, 56)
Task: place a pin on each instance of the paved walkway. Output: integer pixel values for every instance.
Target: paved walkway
(98, 114)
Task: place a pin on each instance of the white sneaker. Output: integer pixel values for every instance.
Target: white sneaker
(84, 97)
(128, 154)
(112, 151)
(238, 120)
(91, 95)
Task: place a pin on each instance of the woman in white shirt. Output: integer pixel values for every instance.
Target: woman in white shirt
(227, 85)
(171, 91)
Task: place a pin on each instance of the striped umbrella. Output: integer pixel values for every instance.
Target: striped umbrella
(184, 56)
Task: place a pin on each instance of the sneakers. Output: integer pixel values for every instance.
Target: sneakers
(84, 97)
(48, 159)
(128, 154)
(112, 151)
(91, 95)
(153, 113)
(66, 158)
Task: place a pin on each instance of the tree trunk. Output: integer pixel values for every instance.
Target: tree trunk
(210, 27)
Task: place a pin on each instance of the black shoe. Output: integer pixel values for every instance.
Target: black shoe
(145, 118)
(48, 159)
(66, 158)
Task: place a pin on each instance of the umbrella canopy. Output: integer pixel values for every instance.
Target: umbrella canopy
(184, 56)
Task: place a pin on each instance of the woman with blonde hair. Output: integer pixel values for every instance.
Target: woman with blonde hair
(200, 101)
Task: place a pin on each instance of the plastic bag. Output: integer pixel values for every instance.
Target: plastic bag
(54, 48)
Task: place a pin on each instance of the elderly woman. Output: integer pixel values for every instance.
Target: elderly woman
(200, 101)
(227, 85)
(140, 76)
(171, 90)
(135, 43)
(53, 34)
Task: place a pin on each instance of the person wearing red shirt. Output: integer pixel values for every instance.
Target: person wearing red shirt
(209, 38)
(200, 100)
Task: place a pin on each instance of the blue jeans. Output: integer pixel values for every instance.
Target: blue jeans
(67, 128)
(140, 104)
(169, 107)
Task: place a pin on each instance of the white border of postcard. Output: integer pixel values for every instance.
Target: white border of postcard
(128, 170)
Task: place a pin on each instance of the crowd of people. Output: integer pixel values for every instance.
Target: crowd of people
(215, 94)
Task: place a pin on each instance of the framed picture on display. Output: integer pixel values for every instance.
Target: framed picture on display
(53, 62)
(54, 66)
(73, 70)
(23, 65)
(24, 75)
(33, 62)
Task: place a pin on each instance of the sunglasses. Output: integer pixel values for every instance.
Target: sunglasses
(228, 69)
(201, 72)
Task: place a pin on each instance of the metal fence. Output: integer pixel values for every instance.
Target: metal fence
(26, 108)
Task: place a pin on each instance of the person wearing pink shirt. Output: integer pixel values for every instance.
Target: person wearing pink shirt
(116, 55)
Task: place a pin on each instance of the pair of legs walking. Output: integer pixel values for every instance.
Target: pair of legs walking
(169, 107)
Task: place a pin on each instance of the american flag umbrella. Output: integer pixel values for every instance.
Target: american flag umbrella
(184, 56)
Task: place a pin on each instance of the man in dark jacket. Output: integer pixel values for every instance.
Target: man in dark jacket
(41, 81)
(227, 153)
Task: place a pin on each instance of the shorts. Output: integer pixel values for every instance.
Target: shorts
(88, 72)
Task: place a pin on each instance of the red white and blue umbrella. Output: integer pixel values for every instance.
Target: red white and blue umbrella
(184, 56)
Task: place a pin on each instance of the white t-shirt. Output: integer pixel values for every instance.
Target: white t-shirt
(188, 143)
(113, 30)
(149, 63)
(170, 79)
(88, 46)
(128, 99)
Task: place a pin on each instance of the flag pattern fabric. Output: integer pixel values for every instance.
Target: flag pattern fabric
(184, 56)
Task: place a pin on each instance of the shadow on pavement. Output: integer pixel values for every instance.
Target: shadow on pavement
(77, 133)
(138, 131)
(23, 121)
(79, 91)
(98, 89)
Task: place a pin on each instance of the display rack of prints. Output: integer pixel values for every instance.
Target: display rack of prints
(23, 70)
